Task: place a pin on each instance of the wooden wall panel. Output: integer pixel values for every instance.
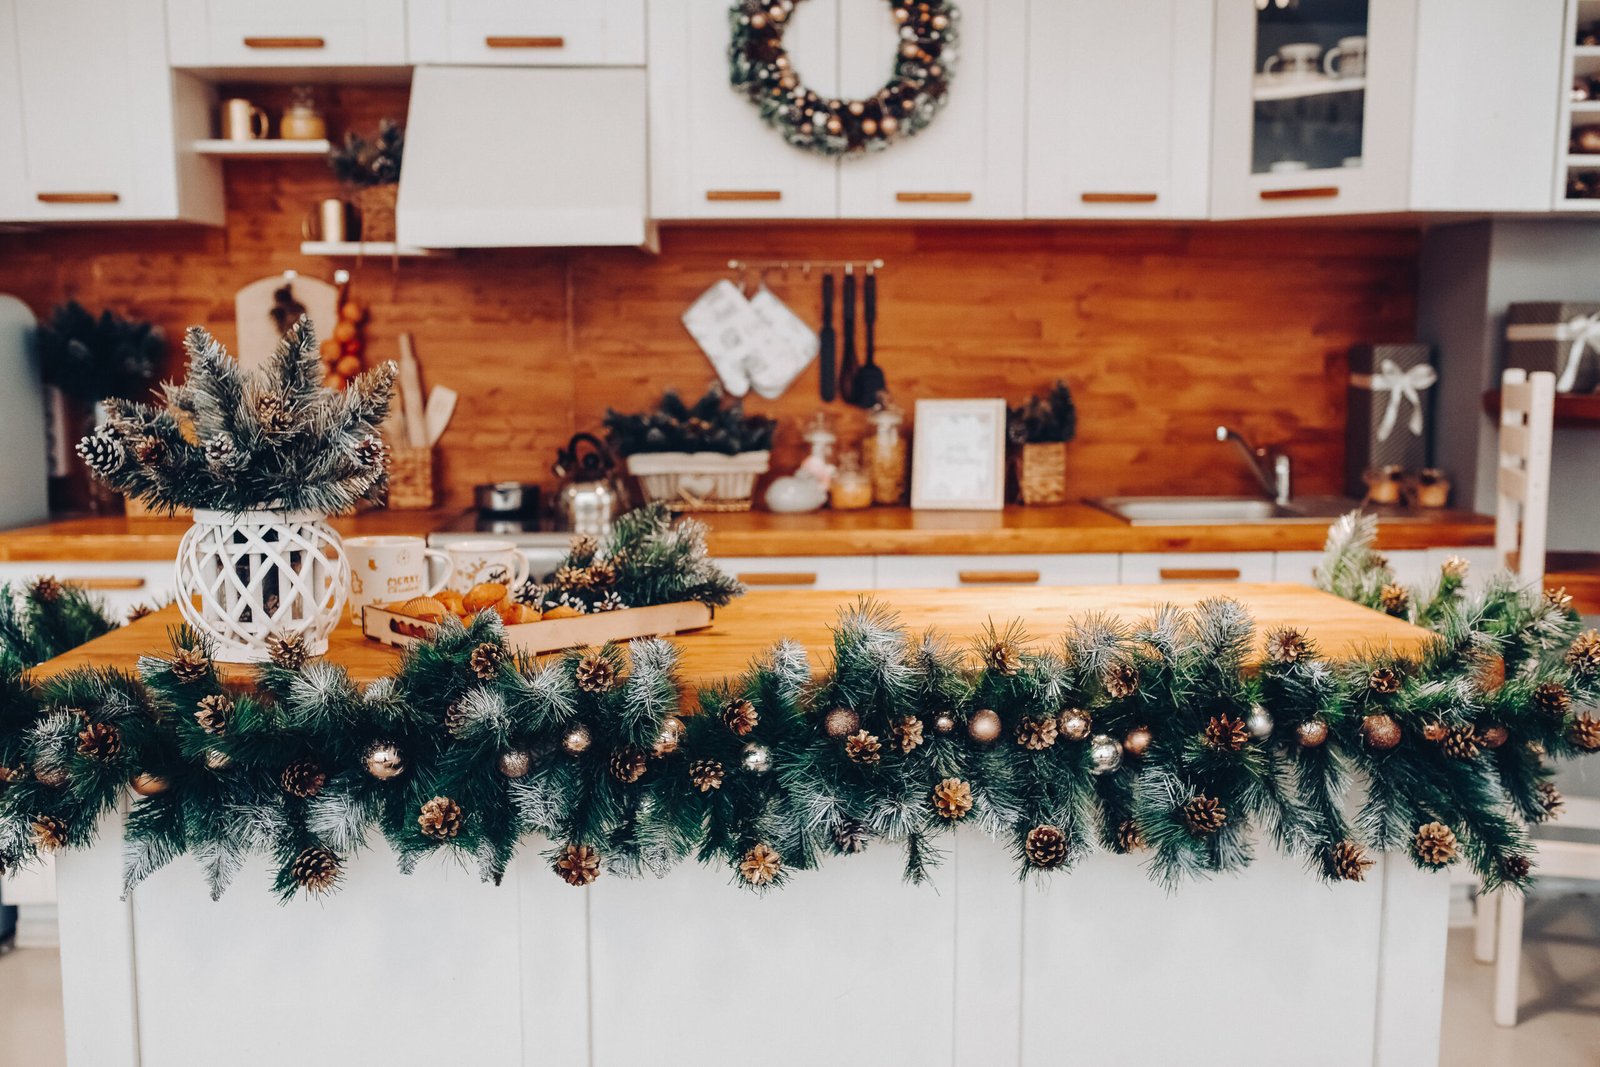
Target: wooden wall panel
(1162, 331)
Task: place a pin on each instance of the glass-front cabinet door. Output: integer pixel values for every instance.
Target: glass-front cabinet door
(1313, 104)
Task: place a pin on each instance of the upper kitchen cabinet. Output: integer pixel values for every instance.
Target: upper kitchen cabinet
(1312, 107)
(1119, 108)
(1577, 178)
(287, 33)
(530, 33)
(711, 155)
(969, 162)
(96, 127)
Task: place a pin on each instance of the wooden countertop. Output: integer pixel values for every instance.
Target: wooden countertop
(1070, 528)
(755, 622)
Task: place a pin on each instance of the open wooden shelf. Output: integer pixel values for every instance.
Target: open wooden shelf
(374, 249)
(1573, 410)
(274, 148)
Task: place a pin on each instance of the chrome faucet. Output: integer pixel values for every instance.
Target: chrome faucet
(1277, 483)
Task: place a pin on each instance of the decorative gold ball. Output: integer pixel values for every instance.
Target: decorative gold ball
(670, 736)
(149, 785)
(869, 127)
(576, 740)
(984, 726)
(856, 107)
(788, 81)
(841, 722)
(1105, 755)
(1074, 724)
(941, 22)
(782, 62)
(383, 760)
(935, 70)
(217, 760)
(1380, 732)
(777, 14)
(1137, 742)
(758, 22)
(901, 14)
(54, 777)
(944, 722)
(834, 125)
(1494, 736)
(515, 762)
(889, 125)
(1311, 733)
(909, 50)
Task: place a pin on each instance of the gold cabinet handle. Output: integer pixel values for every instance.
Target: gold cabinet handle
(998, 577)
(525, 42)
(933, 198)
(105, 582)
(1314, 192)
(780, 578)
(78, 198)
(728, 195)
(1200, 574)
(1119, 198)
(285, 42)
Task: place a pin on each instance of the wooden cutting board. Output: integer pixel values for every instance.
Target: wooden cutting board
(253, 306)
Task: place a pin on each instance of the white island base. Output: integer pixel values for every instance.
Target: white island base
(845, 965)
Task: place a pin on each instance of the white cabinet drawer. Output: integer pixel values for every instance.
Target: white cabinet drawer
(288, 33)
(953, 572)
(1146, 568)
(530, 33)
(119, 586)
(801, 572)
(1410, 566)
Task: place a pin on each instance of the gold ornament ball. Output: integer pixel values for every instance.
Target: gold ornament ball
(578, 739)
(757, 759)
(935, 70)
(909, 50)
(1381, 732)
(841, 722)
(670, 737)
(1311, 733)
(782, 62)
(383, 761)
(515, 762)
(941, 22)
(889, 125)
(1105, 755)
(1137, 742)
(217, 760)
(1075, 724)
(777, 14)
(54, 777)
(758, 22)
(984, 726)
(869, 127)
(944, 722)
(835, 126)
(1494, 736)
(149, 785)
(901, 14)
(856, 107)
(788, 81)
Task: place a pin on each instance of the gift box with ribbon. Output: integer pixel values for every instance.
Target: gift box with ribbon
(1387, 422)
(1562, 337)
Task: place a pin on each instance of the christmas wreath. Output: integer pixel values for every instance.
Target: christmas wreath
(908, 101)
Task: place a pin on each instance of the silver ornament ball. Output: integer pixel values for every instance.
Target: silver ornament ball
(757, 759)
(944, 722)
(1105, 754)
(383, 760)
(576, 740)
(1259, 722)
(984, 726)
(1074, 724)
(670, 736)
(515, 762)
(841, 722)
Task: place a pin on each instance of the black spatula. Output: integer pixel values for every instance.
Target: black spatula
(825, 340)
(869, 379)
(847, 361)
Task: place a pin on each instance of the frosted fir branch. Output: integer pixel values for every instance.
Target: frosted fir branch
(651, 691)
(339, 819)
(544, 694)
(789, 667)
(1221, 629)
(321, 695)
(1095, 642)
(485, 717)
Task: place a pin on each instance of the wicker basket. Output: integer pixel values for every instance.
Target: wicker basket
(1042, 473)
(699, 481)
(376, 205)
(411, 478)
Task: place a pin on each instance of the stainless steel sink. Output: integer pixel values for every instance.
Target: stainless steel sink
(1220, 510)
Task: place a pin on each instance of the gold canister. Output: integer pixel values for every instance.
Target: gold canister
(328, 221)
(301, 122)
(242, 121)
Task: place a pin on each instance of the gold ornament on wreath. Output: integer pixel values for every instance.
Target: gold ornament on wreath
(760, 67)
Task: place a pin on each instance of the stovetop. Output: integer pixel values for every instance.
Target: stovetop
(524, 530)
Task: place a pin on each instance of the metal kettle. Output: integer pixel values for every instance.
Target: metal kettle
(590, 495)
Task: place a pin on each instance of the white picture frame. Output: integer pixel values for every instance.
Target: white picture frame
(958, 456)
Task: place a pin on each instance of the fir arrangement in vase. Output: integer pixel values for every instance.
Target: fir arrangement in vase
(704, 456)
(372, 168)
(263, 458)
(1041, 428)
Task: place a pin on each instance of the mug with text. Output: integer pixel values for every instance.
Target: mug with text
(481, 561)
(391, 570)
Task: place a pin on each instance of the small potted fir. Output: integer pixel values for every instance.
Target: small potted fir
(372, 169)
(1041, 428)
(263, 458)
(700, 457)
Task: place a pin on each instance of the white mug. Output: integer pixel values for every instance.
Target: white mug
(1298, 60)
(391, 570)
(1347, 60)
(476, 562)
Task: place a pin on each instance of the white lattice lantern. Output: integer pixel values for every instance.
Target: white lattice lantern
(242, 578)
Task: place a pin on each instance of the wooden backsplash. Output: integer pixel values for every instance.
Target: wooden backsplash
(1162, 331)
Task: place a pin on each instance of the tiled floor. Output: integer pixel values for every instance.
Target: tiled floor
(1560, 1024)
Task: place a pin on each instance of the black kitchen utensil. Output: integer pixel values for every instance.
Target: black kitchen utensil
(847, 363)
(869, 379)
(825, 341)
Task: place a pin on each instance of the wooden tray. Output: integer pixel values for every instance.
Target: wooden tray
(553, 635)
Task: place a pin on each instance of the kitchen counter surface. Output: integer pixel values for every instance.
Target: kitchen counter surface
(1070, 528)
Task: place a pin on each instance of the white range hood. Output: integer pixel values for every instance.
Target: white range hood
(522, 157)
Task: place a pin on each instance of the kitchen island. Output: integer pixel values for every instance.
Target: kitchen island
(1096, 965)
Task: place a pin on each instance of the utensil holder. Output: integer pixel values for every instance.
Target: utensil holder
(1042, 473)
(376, 204)
(411, 478)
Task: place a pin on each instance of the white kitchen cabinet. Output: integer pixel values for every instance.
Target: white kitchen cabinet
(118, 585)
(530, 33)
(954, 572)
(1142, 568)
(1577, 170)
(1411, 567)
(1119, 108)
(101, 127)
(969, 162)
(711, 155)
(287, 33)
(1311, 142)
(802, 572)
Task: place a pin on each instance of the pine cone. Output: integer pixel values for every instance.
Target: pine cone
(47, 590)
(1394, 600)
(1460, 742)
(485, 660)
(221, 454)
(628, 764)
(455, 716)
(213, 714)
(573, 578)
(578, 865)
(316, 869)
(1384, 680)
(602, 574)
(1489, 672)
(907, 733)
(706, 774)
(1226, 733)
(49, 833)
(952, 798)
(1550, 800)
(1204, 815)
(302, 778)
(595, 673)
(1036, 735)
(190, 664)
(1516, 868)
(275, 416)
(440, 819)
(582, 549)
(1585, 733)
(288, 650)
(1434, 844)
(1003, 658)
(1045, 846)
(1455, 567)
(1584, 655)
(100, 741)
(102, 453)
(370, 452)
(1287, 645)
(850, 836)
(741, 717)
(1347, 862)
(149, 450)
(862, 747)
(1129, 837)
(1122, 680)
(760, 865)
(1552, 699)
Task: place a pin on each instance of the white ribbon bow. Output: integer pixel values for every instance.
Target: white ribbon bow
(1402, 385)
(1584, 332)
